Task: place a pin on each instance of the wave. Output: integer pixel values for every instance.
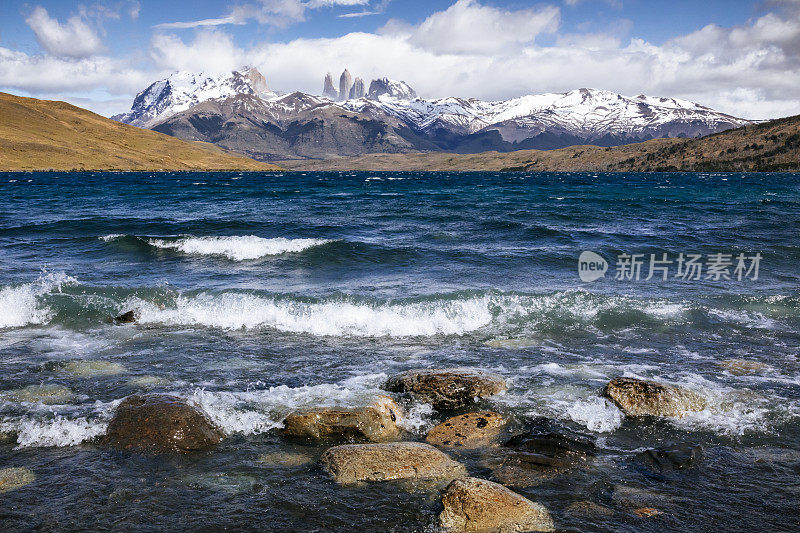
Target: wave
(235, 247)
(20, 305)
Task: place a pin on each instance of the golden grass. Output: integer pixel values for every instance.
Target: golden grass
(49, 135)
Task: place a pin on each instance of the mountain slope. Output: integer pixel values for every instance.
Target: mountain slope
(47, 135)
(770, 146)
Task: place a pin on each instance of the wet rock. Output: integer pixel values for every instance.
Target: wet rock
(352, 463)
(646, 512)
(546, 451)
(91, 368)
(742, 367)
(589, 509)
(160, 423)
(14, 478)
(634, 497)
(447, 389)
(664, 460)
(375, 423)
(470, 430)
(476, 505)
(639, 397)
(49, 394)
(127, 317)
(147, 382)
(285, 459)
(7, 437)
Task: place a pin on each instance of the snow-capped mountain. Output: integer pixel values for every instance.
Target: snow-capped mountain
(182, 90)
(238, 112)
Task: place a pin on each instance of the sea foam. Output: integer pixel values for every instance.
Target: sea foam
(20, 305)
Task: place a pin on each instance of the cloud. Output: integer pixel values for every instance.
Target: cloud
(468, 27)
(74, 39)
(210, 51)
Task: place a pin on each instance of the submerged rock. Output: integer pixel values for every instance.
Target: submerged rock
(147, 382)
(375, 423)
(14, 478)
(352, 463)
(7, 437)
(127, 317)
(91, 368)
(544, 452)
(160, 423)
(46, 393)
(476, 505)
(285, 459)
(470, 430)
(447, 389)
(646, 512)
(639, 397)
(589, 509)
(742, 367)
(668, 459)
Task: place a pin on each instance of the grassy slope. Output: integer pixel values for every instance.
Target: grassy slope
(47, 135)
(773, 145)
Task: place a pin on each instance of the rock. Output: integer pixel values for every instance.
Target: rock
(668, 459)
(374, 423)
(345, 82)
(329, 90)
(285, 459)
(351, 463)
(147, 382)
(742, 367)
(49, 394)
(634, 497)
(127, 317)
(447, 389)
(476, 505)
(470, 430)
(14, 478)
(357, 90)
(589, 509)
(86, 369)
(160, 423)
(639, 397)
(7, 437)
(544, 452)
(646, 512)
(395, 89)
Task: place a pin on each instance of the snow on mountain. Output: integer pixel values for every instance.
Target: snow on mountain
(182, 90)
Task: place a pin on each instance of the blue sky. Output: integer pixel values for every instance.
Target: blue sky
(737, 56)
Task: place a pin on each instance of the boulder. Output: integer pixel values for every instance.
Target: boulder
(544, 452)
(14, 478)
(352, 463)
(476, 505)
(374, 423)
(160, 423)
(470, 430)
(640, 397)
(742, 367)
(46, 393)
(664, 460)
(127, 317)
(447, 389)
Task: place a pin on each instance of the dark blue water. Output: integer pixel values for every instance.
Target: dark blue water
(262, 294)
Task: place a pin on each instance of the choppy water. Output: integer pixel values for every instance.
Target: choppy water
(261, 294)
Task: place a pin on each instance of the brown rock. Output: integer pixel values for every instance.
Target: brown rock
(127, 317)
(351, 463)
(639, 397)
(14, 478)
(375, 423)
(474, 505)
(742, 367)
(470, 430)
(589, 509)
(447, 389)
(646, 512)
(160, 423)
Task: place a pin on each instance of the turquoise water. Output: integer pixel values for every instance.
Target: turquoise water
(262, 294)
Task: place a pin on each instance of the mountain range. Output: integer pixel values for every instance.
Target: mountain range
(238, 112)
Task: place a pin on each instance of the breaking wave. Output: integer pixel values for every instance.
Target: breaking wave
(235, 248)
(20, 305)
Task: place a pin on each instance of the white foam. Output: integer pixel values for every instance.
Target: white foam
(237, 248)
(342, 317)
(597, 414)
(58, 431)
(20, 306)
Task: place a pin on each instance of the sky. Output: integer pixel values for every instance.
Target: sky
(738, 57)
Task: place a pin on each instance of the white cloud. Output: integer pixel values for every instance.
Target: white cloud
(210, 51)
(73, 39)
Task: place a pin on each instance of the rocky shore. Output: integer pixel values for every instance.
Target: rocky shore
(368, 444)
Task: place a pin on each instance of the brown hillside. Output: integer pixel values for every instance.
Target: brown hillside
(770, 146)
(48, 135)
